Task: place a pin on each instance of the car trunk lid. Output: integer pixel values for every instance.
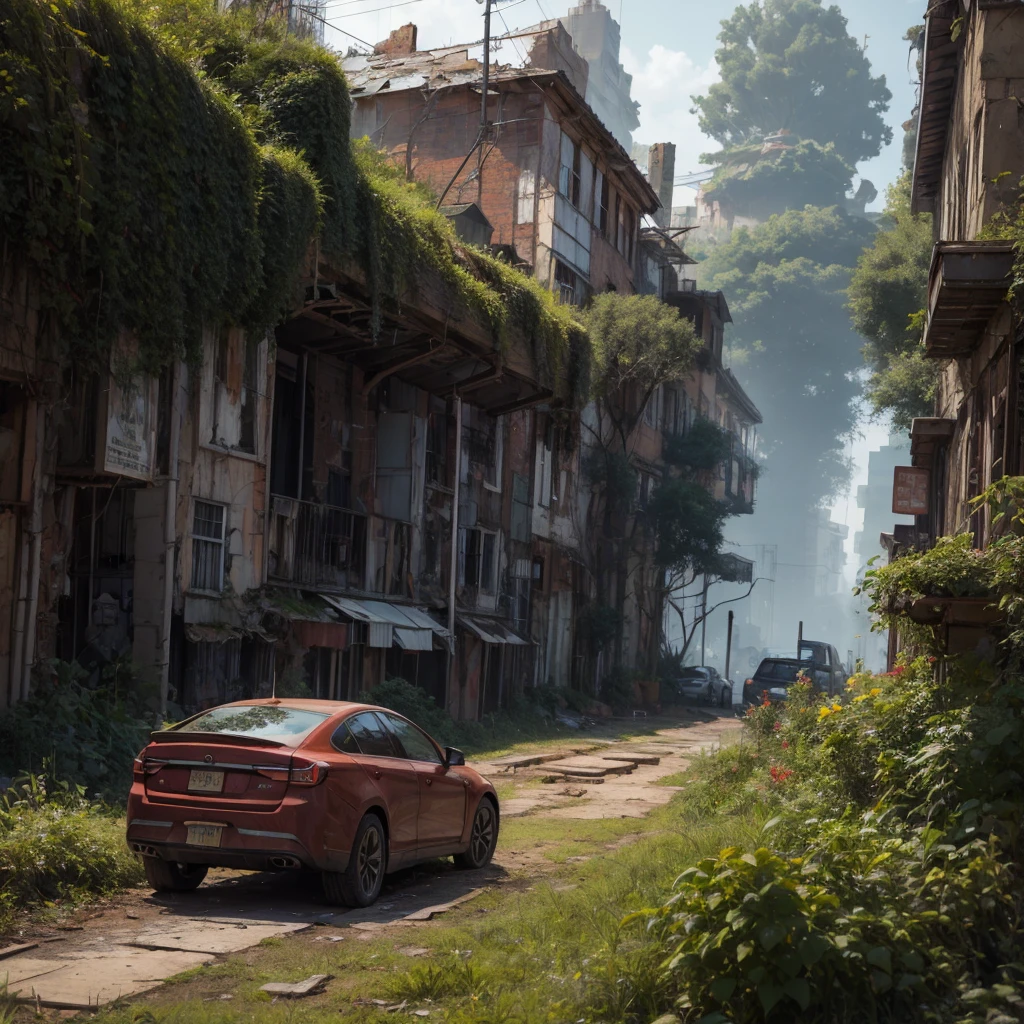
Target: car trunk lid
(226, 772)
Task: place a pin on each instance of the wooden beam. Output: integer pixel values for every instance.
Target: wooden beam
(401, 364)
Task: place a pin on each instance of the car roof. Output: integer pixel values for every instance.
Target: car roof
(327, 707)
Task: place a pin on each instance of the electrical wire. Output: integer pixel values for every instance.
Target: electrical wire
(376, 10)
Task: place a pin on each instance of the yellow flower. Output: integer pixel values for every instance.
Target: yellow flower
(857, 700)
(836, 706)
(824, 713)
(851, 682)
(875, 691)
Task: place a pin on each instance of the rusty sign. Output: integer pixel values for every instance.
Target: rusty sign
(910, 490)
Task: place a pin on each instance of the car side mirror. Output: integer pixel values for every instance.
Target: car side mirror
(453, 757)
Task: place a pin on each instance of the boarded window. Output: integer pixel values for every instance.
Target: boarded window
(208, 546)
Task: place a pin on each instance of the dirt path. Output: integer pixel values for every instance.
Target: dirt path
(129, 944)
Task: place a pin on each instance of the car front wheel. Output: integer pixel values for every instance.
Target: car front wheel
(726, 698)
(483, 837)
(359, 884)
(167, 876)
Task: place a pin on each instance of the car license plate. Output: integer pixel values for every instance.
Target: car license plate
(775, 691)
(202, 781)
(204, 835)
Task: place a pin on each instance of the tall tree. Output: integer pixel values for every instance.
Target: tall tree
(792, 64)
(786, 283)
(887, 298)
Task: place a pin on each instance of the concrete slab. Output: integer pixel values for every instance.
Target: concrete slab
(92, 981)
(576, 772)
(22, 967)
(604, 765)
(300, 988)
(211, 936)
(636, 758)
(511, 761)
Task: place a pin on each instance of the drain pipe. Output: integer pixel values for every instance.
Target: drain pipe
(35, 555)
(170, 535)
(453, 567)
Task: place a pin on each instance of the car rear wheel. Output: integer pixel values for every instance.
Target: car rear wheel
(167, 876)
(359, 884)
(483, 837)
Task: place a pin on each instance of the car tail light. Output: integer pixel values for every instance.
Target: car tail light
(143, 766)
(307, 773)
(302, 773)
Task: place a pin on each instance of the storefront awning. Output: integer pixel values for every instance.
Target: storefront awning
(411, 628)
(491, 632)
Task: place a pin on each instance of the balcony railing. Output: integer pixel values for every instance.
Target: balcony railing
(316, 545)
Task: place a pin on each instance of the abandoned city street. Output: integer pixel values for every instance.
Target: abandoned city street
(512, 511)
(563, 803)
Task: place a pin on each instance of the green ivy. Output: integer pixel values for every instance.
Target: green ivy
(164, 167)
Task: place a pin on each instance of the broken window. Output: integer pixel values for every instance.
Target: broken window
(567, 284)
(569, 181)
(478, 559)
(437, 442)
(235, 391)
(208, 537)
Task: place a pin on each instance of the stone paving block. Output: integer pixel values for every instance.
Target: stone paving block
(211, 936)
(92, 981)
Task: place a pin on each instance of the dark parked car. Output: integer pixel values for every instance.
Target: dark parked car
(774, 677)
(349, 790)
(702, 682)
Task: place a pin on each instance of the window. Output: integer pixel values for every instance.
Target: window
(605, 194)
(236, 392)
(630, 228)
(248, 398)
(566, 284)
(339, 483)
(492, 468)
(652, 409)
(208, 546)
(477, 559)
(569, 179)
(370, 735)
(670, 411)
(619, 226)
(344, 741)
(258, 721)
(437, 442)
(414, 743)
(545, 467)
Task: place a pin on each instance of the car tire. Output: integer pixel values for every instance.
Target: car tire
(483, 837)
(725, 701)
(168, 876)
(360, 883)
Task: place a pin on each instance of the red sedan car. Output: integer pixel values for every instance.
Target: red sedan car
(350, 790)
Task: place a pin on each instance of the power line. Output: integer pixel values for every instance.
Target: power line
(376, 10)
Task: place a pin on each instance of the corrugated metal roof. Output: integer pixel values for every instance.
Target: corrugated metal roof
(412, 628)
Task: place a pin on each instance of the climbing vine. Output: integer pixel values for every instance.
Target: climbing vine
(165, 167)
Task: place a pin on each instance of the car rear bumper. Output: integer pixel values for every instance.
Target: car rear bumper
(251, 840)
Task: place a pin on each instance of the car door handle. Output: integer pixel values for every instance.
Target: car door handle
(429, 782)
(376, 773)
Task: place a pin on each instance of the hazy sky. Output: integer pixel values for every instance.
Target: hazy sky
(669, 46)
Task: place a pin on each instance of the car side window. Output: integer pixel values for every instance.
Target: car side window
(370, 735)
(415, 743)
(343, 740)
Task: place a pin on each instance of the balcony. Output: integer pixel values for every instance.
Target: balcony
(318, 546)
(741, 473)
(967, 284)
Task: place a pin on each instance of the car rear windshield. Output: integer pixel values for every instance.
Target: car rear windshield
(782, 671)
(693, 673)
(259, 722)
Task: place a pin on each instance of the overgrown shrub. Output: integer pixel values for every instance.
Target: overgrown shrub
(68, 732)
(55, 845)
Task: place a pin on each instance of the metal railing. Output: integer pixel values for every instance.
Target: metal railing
(317, 545)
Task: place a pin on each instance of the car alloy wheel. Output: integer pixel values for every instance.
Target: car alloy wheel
(483, 837)
(370, 861)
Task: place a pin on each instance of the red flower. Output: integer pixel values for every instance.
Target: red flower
(777, 726)
(785, 744)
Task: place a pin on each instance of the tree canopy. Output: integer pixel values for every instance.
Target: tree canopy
(887, 298)
(792, 64)
(638, 344)
(757, 186)
(786, 281)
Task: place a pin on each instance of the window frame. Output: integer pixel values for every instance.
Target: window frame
(388, 716)
(197, 539)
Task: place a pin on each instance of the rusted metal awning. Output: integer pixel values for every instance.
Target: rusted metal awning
(967, 284)
(412, 629)
(490, 631)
